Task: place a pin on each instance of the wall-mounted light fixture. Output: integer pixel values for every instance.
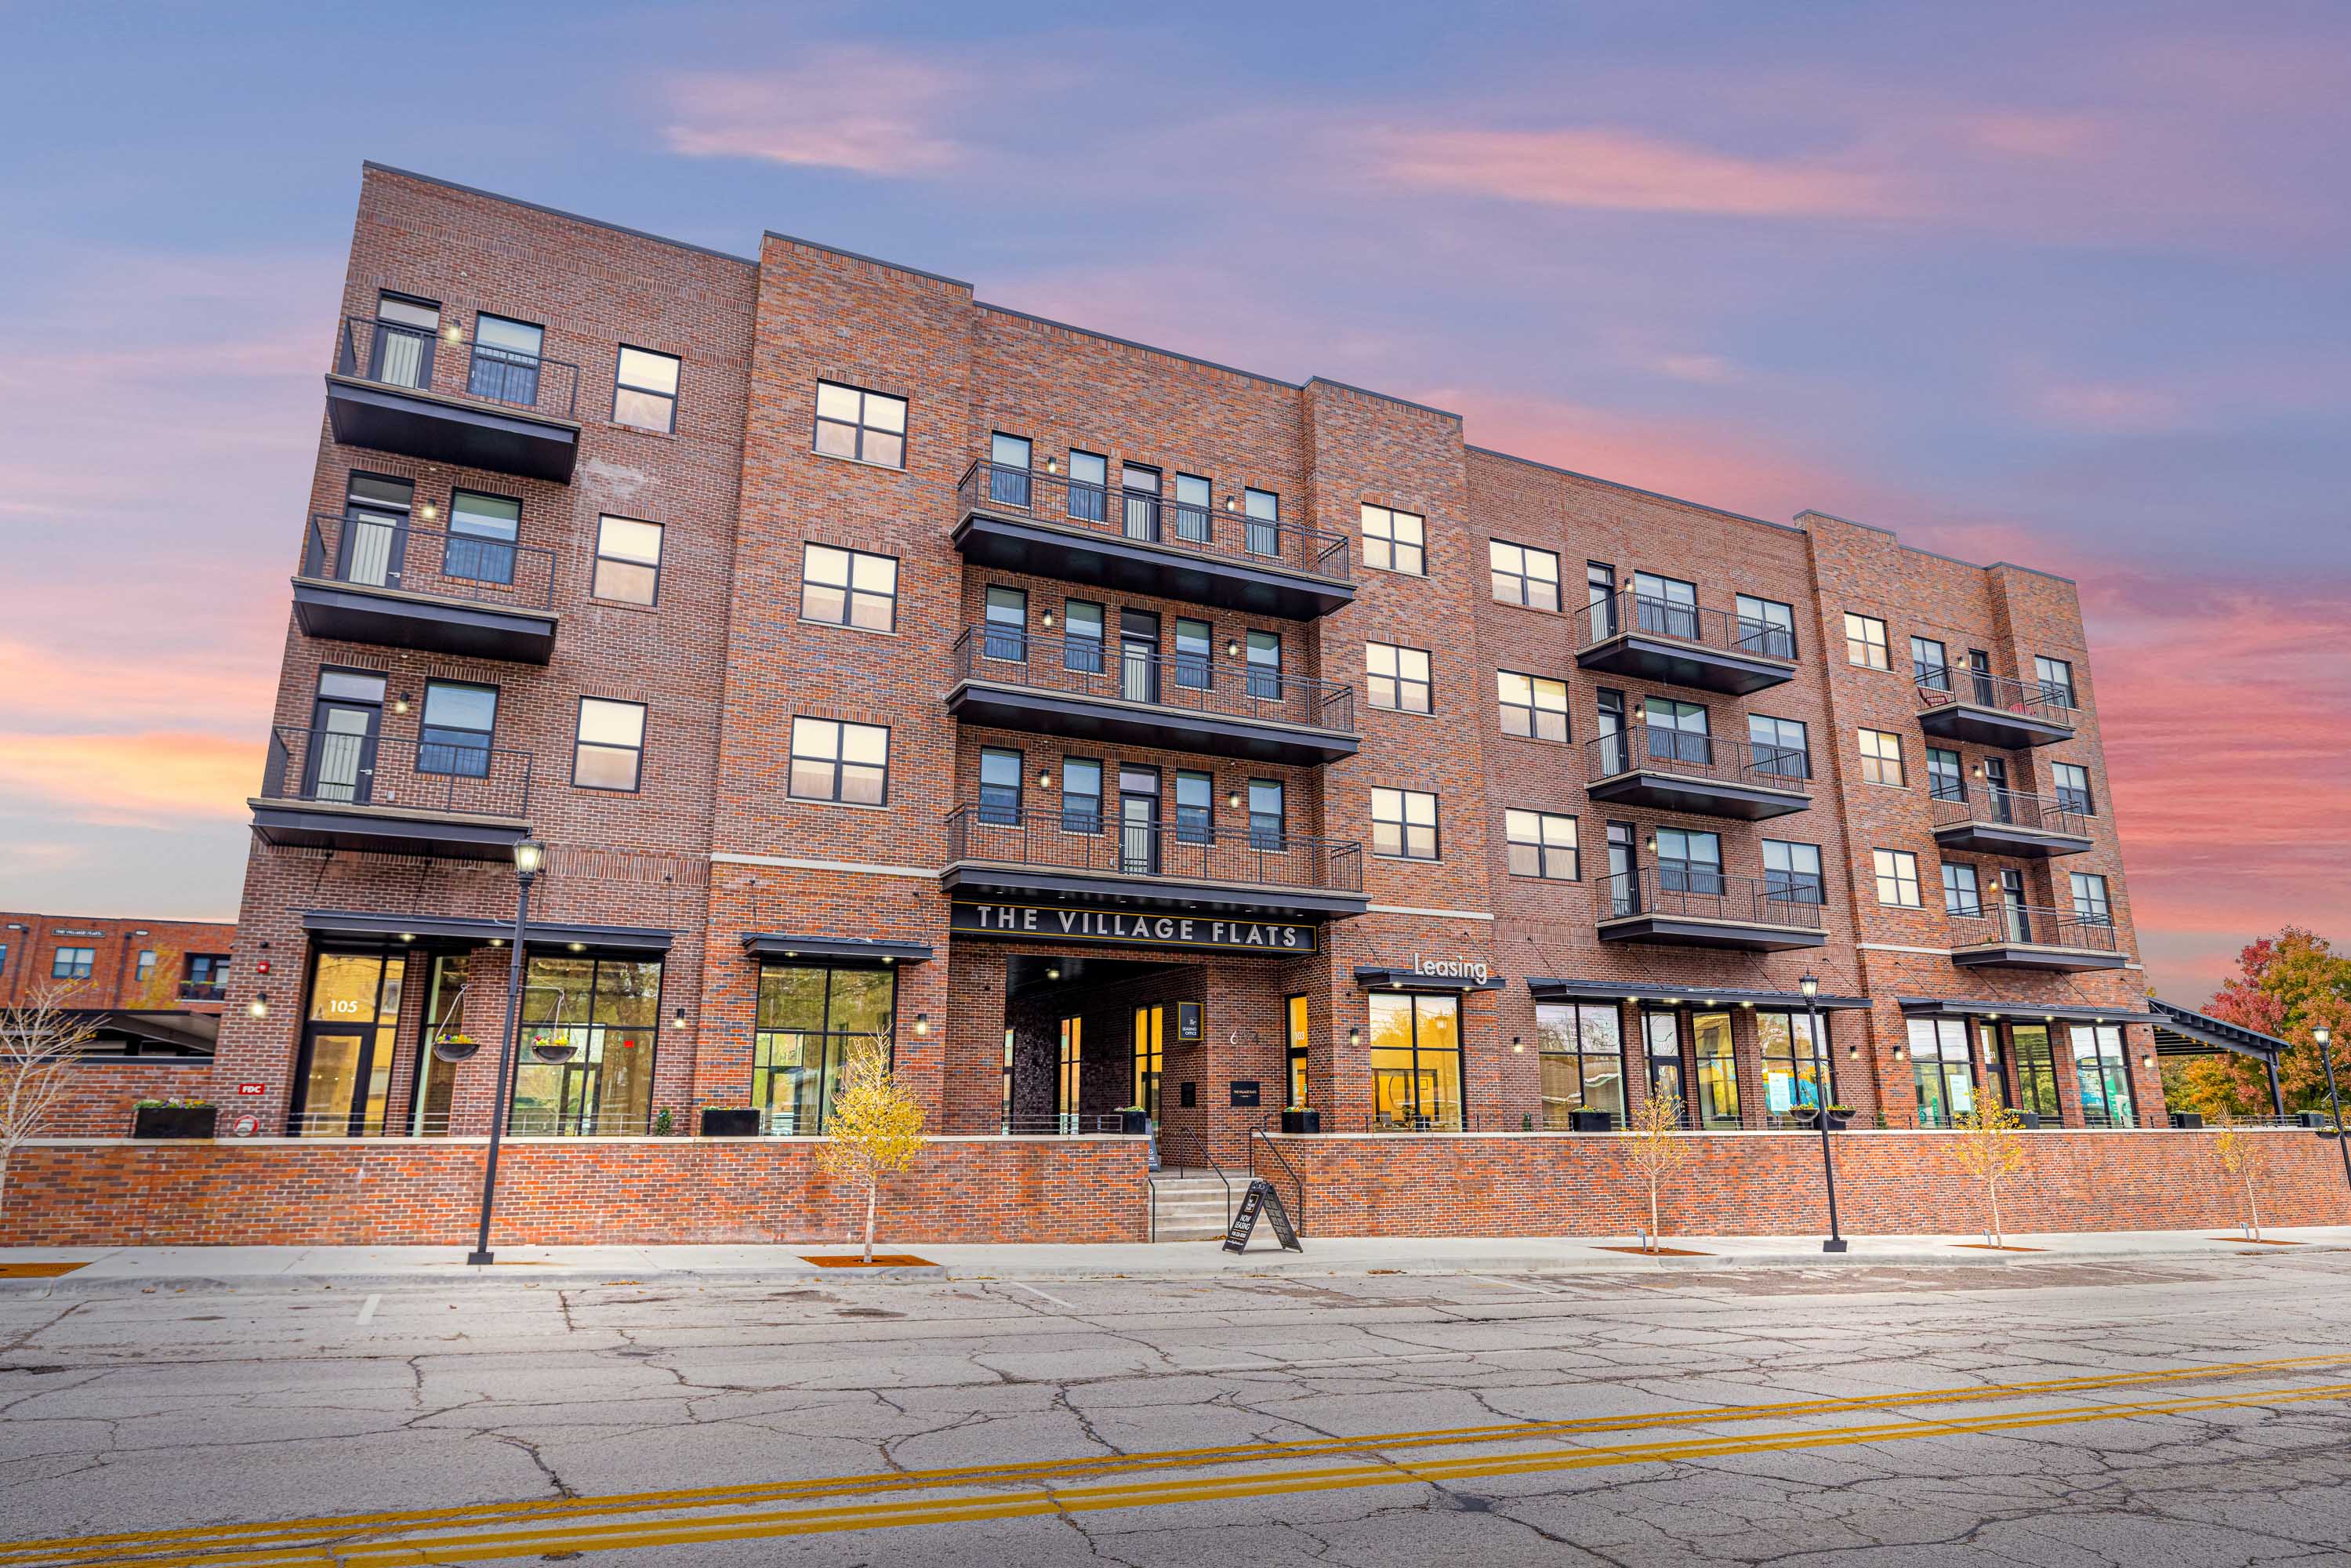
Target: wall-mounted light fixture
(1518, 1046)
(400, 703)
(1232, 647)
(1355, 1037)
(1232, 505)
(922, 1023)
(1053, 974)
(428, 511)
(1233, 798)
(259, 1007)
(1053, 465)
(1049, 618)
(678, 1017)
(1044, 779)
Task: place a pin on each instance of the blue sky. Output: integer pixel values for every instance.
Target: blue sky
(2061, 285)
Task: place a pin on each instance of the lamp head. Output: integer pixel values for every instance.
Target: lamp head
(530, 855)
(1810, 985)
(2322, 1037)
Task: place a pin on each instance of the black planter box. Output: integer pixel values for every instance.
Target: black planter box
(1302, 1121)
(2312, 1119)
(1590, 1122)
(2029, 1120)
(174, 1121)
(2187, 1121)
(729, 1124)
(1134, 1123)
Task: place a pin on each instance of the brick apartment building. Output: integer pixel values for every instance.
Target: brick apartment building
(1104, 726)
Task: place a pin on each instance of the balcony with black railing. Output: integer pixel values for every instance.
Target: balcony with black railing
(430, 393)
(1073, 851)
(1641, 638)
(1682, 904)
(1985, 819)
(1035, 520)
(381, 577)
(355, 790)
(2026, 936)
(1985, 709)
(204, 990)
(1078, 687)
(1676, 770)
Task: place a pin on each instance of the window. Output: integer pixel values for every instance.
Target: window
(1962, 893)
(1938, 1070)
(1614, 756)
(1416, 1061)
(849, 588)
(1582, 1046)
(1783, 747)
(1542, 843)
(610, 751)
(456, 734)
(1139, 501)
(1266, 818)
(1261, 510)
(1403, 824)
(1196, 808)
(1008, 470)
(1718, 1070)
(2073, 782)
(1661, 1034)
(146, 963)
(644, 390)
(849, 763)
(1865, 642)
(999, 788)
(72, 963)
(628, 560)
(1666, 605)
(808, 1022)
(607, 1012)
(1522, 575)
(2103, 1073)
(1532, 705)
(1081, 640)
(2056, 678)
(1676, 731)
(1791, 872)
(1398, 677)
(1006, 633)
(1195, 510)
(1930, 663)
(868, 426)
(208, 968)
(1767, 626)
(1395, 541)
(480, 543)
(2090, 905)
(1897, 877)
(1298, 1036)
(1068, 1084)
(1195, 668)
(506, 360)
(1089, 486)
(1265, 666)
(1689, 862)
(1792, 1062)
(1943, 779)
(1881, 757)
(1082, 783)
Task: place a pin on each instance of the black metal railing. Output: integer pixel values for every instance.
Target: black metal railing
(334, 767)
(1629, 611)
(2045, 701)
(1186, 683)
(1681, 752)
(1685, 891)
(1154, 520)
(2032, 925)
(376, 549)
(204, 990)
(1992, 806)
(1083, 839)
(1068, 1124)
(444, 362)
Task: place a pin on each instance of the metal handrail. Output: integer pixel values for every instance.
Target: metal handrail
(1701, 893)
(1297, 1182)
(1147, 518)
(1012, 655)
(2031, 699)
(422, 359)
(337, 768)
(1167, 1135)
(1058, 1125)
(2033, 926)
(374, 550)
(1076, 840)
(2009, 808)
(1626, 612)
(1655, 748)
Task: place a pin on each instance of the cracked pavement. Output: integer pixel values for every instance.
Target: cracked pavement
(2110, 1414)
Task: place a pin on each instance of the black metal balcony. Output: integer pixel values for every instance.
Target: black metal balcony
(336, 789)
(2026, 936)
(373, 577)
(1675, 770)
(1645, 639)
(1028, 521)
(1686, 905)
(1992, 710)
(1075, 686)
(1985, 820)
(433, 395)
(1076, 853)
(204, 990)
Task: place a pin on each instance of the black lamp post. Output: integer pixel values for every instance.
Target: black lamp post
(529, 856)
(2324, 1038)
(1811, 986)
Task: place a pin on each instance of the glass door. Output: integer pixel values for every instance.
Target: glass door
(1138, 656)
(1995, 772)
(1139, 498)
(436, 1080)
(1979, 678)
(344, 1080)
(1661, 1032)
(1718, 1071)
(374, 546)
(1624, 883)
(1138, 820)
(2036, 1071)
(2012, 916)
(1150, 1043)
(343, 728)
(405, 334)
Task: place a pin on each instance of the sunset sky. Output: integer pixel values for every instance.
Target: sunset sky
(2061, 285)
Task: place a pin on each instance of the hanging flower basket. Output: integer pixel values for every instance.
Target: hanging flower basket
(553, 1047)
(455, 1047)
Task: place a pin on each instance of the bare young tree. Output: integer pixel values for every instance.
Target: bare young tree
(1991, 1152)
(38, 1042)
(875, 1125)
(1658, 1147)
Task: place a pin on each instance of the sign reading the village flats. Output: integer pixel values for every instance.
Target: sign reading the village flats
(1049, 923)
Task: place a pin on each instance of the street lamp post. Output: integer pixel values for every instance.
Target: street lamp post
(2324, 1038)
(530, 855)
(1811, 986)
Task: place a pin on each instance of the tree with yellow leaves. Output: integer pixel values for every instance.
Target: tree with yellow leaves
(1991, 1150)
(1658, 1147)
(2244, 1154)
(875, 1125)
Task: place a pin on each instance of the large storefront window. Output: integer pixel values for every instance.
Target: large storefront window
(2103, 1074)
(590, 1028)
(1068, 1081)
(1939, 1070)
(1415, 1063)
(809, 1019)
(346, 1073)
(1149, 1054)
(1792, 1062)
(436, 1079)
(1583, 1061)
(1717, 1074)
(1294, 1017)
(2036, 1071)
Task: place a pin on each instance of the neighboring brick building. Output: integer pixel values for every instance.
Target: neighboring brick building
(1103, 725)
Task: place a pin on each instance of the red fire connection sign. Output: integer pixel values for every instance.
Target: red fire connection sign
(253, 1088)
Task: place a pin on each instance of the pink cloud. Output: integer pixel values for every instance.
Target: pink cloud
(862, 109)
(1624, 170)
(148, 779)
(49, 687)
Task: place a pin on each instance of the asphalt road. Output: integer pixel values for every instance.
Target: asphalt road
(2139, 1414)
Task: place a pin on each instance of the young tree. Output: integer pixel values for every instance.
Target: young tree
(1991, 1150)
(1658, 1147)
(2244, 1154)
(876, 1127)
(38, 1042)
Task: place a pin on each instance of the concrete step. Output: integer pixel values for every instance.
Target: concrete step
(1192, 1209)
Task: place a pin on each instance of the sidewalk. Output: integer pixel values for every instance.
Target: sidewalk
(131, 1270)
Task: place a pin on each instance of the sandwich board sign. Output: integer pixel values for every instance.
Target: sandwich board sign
(1261, 1198)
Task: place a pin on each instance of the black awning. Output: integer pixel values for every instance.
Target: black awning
(851, 950)
(1375, 978)
(2026, 1012)
(2182, 1031)
(457, 931)
(182, 1033)
(1555, 990)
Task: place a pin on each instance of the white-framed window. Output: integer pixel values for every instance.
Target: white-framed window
(628, 561)
(1395, 541)
(1403, 824)
(1542, 843)
(849, 588)
(1897, 877)
(833, 761)
(1534, 707)
(1865, 642)
(644, 390)
(1881, 757)
(610, 751)
(1962, 894)
(1397, 676)
(868, 426)
(1523, 575)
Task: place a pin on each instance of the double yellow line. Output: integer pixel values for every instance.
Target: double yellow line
(493, 1530)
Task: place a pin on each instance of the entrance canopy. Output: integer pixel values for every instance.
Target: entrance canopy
(2180, 1032)
(838, 951)
(1376, 977)
(1554, 990)
(2022, 1012)
(125, 1032)
(459, 931)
